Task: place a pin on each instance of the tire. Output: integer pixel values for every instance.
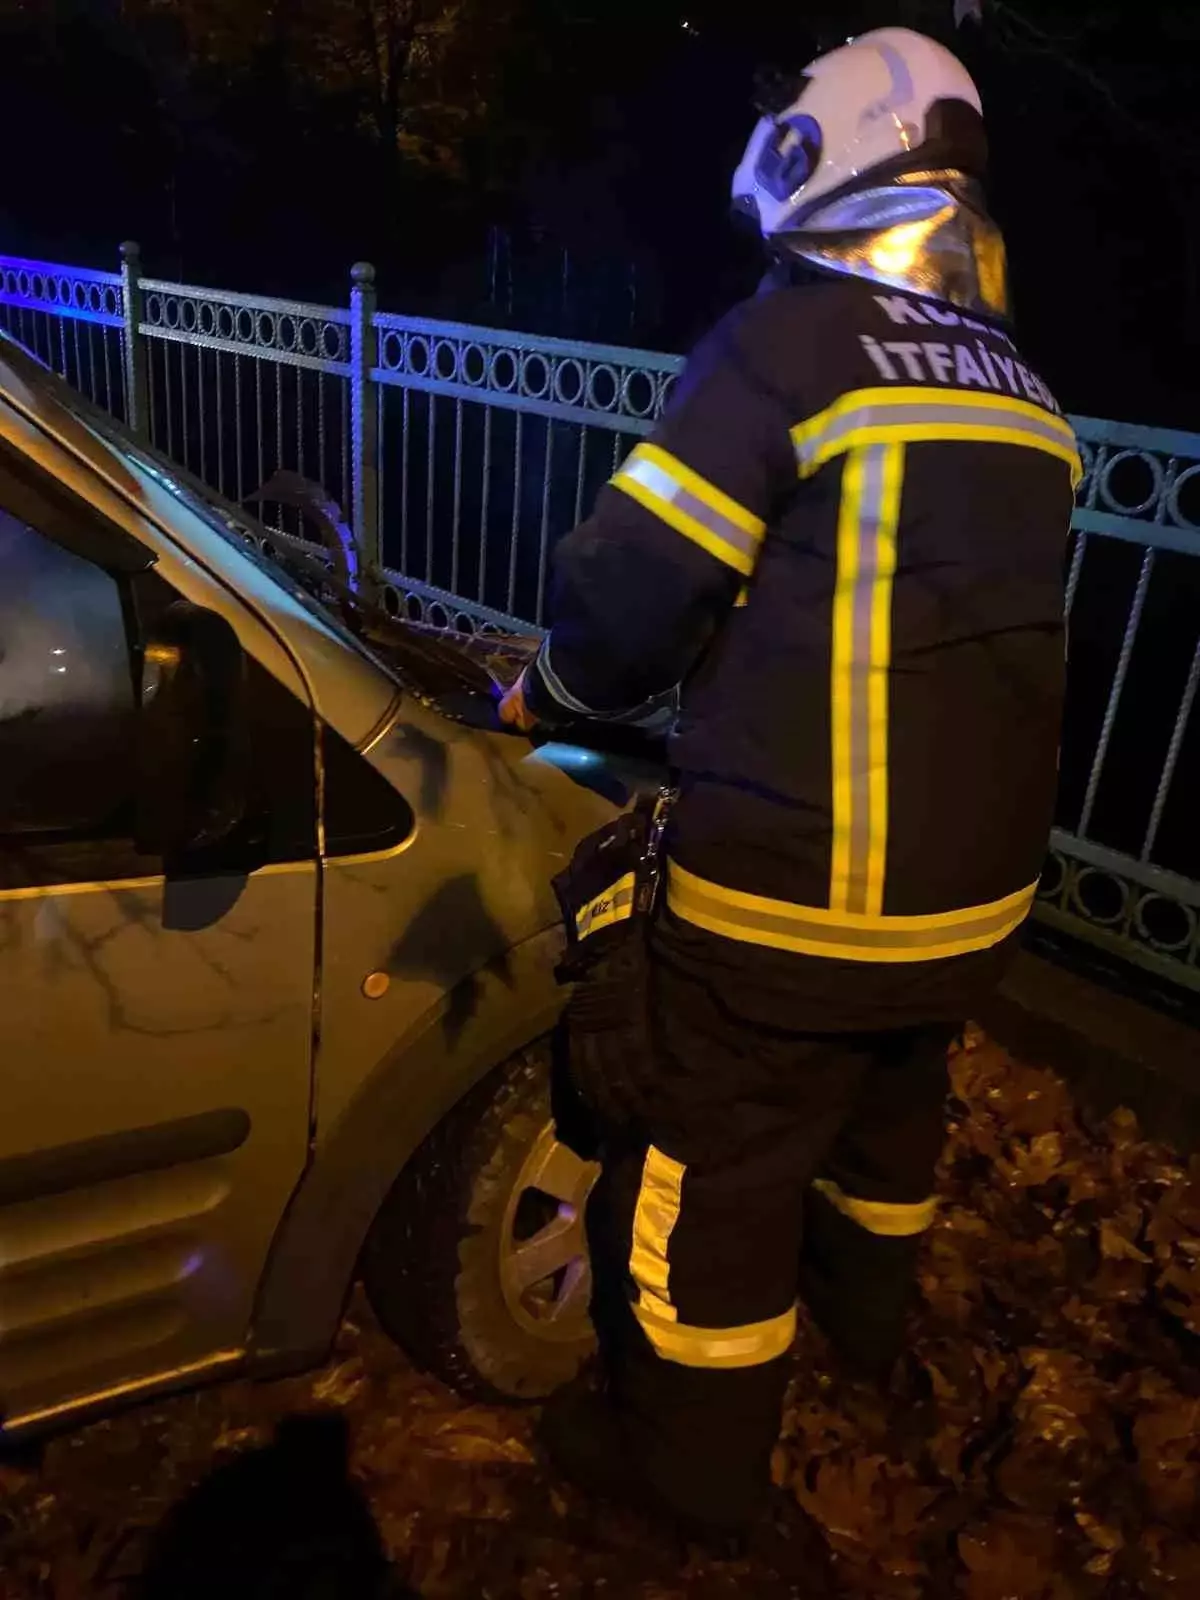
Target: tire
(467, 1222)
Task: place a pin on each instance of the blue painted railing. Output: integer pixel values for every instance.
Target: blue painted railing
(464, 452)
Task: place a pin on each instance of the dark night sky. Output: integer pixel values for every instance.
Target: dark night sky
(615, 127)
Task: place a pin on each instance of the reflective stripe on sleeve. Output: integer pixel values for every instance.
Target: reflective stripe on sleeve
(554, 686)
(844, 935)
(868, 524)
(692, 506)
(750, 1345)
(615, 904)
(912, 416)
(888, 1221)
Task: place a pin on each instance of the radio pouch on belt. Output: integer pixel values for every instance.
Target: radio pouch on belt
(607, 895)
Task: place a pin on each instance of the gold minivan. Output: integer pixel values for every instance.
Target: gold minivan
(277, 952)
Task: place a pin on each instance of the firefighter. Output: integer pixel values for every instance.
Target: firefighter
(845, 540)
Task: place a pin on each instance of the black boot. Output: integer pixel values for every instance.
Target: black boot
(581, 1437)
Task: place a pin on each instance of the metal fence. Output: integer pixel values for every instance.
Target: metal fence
(464, 452)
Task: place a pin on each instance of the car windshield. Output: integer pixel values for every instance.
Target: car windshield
(238, 526)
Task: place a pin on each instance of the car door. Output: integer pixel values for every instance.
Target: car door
(156, 1026)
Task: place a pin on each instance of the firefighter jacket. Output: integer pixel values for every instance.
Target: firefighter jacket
(846, 539)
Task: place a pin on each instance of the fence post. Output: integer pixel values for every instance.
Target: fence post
(137, 370)
(364, 428)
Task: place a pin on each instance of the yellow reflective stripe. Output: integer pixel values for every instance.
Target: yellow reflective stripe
(849, 516)
(844, 935)
(912, 416)
(868, 525)
(878, 673)
(660, 1195)
(614, 904)
(692, 506)
(750, 1345)
(877, 1216)
(743, 596)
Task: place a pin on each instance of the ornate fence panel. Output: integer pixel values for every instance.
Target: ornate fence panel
(463, 453)
(491, 445)
(238, 387)
(71, 318)
(1124, 870)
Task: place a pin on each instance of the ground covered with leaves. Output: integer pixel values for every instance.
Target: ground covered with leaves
(1043, 1442)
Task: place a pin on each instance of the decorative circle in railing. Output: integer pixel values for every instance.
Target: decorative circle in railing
(666, 387)
(206, 319)
(225, 323)
(285, 333)
(473, 368)
(1119, 485)
(1164, 923)
(445, 360)
(245, 326)
(1099, 897)
(1054, 877)
(568, 381)
(1186, 482)
(391, 351)
(535, 376)
(417, 355)
(503, 371)
(603, 387)
(639, 394)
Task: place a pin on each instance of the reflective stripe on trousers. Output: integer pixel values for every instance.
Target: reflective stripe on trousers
(885, 1219)
(659, 1202)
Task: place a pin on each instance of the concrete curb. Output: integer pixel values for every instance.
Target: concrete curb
(1113, 1050)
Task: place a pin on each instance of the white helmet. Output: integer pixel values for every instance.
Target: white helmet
(888, 102)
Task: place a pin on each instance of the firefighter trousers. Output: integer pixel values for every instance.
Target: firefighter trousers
(771, 1164)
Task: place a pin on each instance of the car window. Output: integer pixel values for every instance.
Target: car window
(363, 813)
(75, 683)
(66, 688)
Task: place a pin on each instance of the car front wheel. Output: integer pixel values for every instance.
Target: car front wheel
(477, 1263)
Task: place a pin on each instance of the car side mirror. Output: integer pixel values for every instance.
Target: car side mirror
(191, 761)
